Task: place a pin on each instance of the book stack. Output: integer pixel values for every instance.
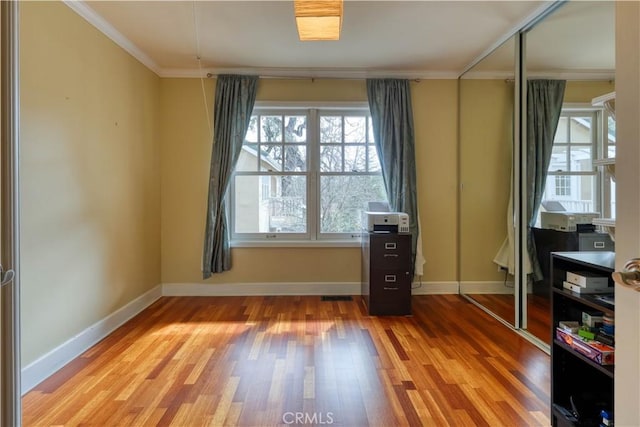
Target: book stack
(585, 282)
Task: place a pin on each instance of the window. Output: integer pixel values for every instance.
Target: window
(305, 174)
(582, 135)
(563, 185)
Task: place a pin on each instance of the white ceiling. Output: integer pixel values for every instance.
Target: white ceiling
(379, 38)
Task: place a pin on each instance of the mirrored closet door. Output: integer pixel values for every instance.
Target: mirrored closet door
(486, 150)
(573, 47)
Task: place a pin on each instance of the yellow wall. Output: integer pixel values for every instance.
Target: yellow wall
(585, 91)
(89, 177)
(486, 114)
(186, 151)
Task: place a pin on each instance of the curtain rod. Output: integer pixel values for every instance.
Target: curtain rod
(567, 79)
(312, 78)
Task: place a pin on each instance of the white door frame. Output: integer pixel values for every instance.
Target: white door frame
(627, 372)
(10, 408)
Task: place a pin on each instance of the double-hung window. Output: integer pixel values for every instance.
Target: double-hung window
(305, 174)
(583, 135)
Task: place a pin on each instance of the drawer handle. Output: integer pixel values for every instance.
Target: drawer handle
(390, 245)
(388, 288)
(390, 278)
(391, 255)
(598, 245)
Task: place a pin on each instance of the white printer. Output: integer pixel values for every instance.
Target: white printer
(390, 222)
(566, 221)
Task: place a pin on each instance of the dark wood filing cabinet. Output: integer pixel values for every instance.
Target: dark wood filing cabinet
(386, 273)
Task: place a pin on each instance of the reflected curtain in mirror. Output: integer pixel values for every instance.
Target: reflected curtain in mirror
(544, 105)
(234, 101)
(392, 119)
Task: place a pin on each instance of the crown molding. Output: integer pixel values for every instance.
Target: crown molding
(574, 75)
(321, 73)
(81, 8)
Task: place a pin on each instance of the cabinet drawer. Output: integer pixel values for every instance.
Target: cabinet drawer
(595, 242)
(388, 284)
(390, 252)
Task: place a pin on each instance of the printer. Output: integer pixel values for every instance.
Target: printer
(386, 222)
(568, 221)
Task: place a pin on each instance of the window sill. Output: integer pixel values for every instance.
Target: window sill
(295, 244)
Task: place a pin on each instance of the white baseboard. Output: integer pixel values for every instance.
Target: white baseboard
(435, 288)
(247, 289)
(42, 368)
(293, 288)
(486, 288)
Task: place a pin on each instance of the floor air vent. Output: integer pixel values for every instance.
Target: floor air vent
(337, 298)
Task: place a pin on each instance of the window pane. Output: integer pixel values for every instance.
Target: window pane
(371, 137)
(270, 204)
(330, 129)
(574, 193)
(252, 130)
(581, 160)
(331, 159)
(561, 130)
(271, 129)
(580, 129)
(612, 194)
(248, 159)
(343, 198)
(355, 129)
(271, 158)
(295, 158)
(295, 129)
(611, 129)
(374, 161)
(558, 158)
(355, 159)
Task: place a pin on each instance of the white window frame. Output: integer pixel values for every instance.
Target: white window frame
(313, 236)
(600, 137)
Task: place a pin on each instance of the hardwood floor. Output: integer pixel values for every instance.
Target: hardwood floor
(266, 361)
(538, 312)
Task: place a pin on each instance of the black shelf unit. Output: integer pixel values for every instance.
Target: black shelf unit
(575, 377)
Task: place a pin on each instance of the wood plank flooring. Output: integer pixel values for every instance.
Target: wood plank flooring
(276, 361)
(538, 312)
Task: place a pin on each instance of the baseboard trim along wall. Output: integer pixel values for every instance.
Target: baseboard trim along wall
(293, 288)
(486, 287)
(48, 364)
(45, 366)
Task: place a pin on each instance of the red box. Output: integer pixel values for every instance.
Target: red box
(600, 353)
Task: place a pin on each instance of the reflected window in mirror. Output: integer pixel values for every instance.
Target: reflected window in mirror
(574, 183)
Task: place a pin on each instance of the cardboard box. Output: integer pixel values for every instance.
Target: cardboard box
(591, 290)
(587, 279)
(600, 353)
(592, 319)
(594, 350)
(569, 326)
(566, 337)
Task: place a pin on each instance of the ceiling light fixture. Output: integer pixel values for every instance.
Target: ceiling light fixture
(318, 19)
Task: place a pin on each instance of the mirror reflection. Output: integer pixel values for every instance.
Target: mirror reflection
(572, 48)
(486, 141)
(570, 168)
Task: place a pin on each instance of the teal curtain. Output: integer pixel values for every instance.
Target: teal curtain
(392, 119)
(544, 105)
(234, 101)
